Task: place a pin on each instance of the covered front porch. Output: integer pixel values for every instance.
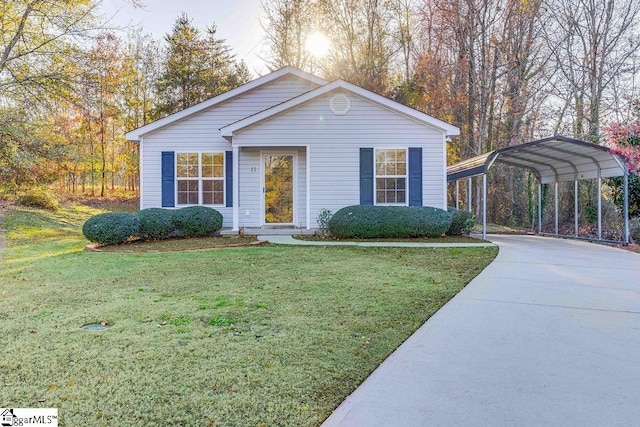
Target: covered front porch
(271, 190)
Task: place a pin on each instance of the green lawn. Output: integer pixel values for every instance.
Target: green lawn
(268, 335)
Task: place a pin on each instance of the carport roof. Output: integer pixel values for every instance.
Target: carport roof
(553, 159)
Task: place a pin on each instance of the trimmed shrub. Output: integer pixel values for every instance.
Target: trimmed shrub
(462, 222)
(156, 224)
(196, 221)
(369, 222)
(39, 199)
(111, 228)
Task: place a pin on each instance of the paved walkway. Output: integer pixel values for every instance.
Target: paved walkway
(547, 335)
(288, 240)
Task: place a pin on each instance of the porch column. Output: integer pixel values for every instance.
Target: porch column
(236, 189)
(575, 207)
(556, 207)
(308, 187)
(539, 207)
(484, 206)
(457, 194)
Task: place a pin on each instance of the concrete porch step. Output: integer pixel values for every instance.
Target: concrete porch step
(259, 231)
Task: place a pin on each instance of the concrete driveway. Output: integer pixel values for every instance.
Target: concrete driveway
(547, 335)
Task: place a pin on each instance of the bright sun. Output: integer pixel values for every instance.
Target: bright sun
(317, 45)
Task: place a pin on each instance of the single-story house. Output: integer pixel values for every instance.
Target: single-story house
(279, 149)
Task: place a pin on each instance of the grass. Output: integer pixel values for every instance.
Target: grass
(269, 335)
(501, 229)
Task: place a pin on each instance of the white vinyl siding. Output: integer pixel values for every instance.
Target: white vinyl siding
(335, 143)
(200, 133)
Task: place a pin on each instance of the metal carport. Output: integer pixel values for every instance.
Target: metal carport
(552, 160)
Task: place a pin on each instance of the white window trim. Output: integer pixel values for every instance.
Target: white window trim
(405, 176)
(200, 179)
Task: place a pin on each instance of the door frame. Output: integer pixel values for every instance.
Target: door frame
(262, 189)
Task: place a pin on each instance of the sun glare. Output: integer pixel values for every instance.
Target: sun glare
(317, 45)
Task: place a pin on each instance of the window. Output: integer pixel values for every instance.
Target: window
(200, 178)
(391, 176)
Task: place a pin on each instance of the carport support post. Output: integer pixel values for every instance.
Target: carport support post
(626, 205)
(469, 194)
(539, 207)
(484, 206)
(575, 207)
(599, 206)
(457, 194)
(556, 205)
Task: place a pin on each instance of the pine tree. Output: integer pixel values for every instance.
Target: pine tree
(196, 67)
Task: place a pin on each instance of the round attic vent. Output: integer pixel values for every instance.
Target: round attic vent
(340, 104)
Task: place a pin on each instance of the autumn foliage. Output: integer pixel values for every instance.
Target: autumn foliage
(624, 140)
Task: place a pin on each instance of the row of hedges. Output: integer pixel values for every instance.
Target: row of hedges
(368, 222)
(152, 224)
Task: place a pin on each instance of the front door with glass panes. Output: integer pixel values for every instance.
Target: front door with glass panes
(278, 175)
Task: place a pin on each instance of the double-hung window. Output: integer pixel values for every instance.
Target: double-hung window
(391, 176)
(200, 178)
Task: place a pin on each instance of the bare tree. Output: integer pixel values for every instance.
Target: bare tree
(595, 43)
(287, 23)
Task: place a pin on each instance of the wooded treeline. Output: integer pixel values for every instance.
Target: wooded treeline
(504, 71)
(71, 88)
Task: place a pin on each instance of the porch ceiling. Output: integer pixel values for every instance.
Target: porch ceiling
(553, 159)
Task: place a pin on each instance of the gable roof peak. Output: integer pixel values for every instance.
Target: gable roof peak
(135, 134)
(448, 129)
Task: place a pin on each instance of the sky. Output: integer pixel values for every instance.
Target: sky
(238, 22)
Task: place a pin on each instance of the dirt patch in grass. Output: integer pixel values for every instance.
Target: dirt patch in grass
(113, 204)
(442, 239)
(630, 247)
(173, 245)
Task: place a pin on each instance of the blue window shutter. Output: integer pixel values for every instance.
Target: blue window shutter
(415, 176)
(168, 179)
(228, 176)
(366, 176)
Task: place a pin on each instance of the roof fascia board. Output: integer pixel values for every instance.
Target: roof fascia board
(136, 134)
(450, 130)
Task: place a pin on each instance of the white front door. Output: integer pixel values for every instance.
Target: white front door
(278, 185)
